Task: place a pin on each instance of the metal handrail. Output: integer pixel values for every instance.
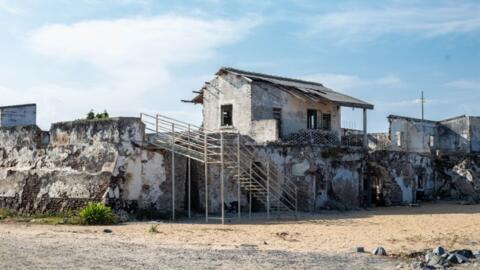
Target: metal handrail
(288, 182)
(279, 191)
(203, 145)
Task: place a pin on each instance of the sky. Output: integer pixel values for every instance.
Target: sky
(132, 56)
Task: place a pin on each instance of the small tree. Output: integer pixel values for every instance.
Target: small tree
(91, 115)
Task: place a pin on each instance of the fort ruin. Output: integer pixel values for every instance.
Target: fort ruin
(267, 144)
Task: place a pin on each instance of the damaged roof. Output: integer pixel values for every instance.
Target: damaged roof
(311, 90)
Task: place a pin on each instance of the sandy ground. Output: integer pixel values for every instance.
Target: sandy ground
(323, 241)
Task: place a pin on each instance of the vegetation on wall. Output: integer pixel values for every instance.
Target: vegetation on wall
(92, 115)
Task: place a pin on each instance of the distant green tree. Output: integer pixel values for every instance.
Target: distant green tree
(91, 115)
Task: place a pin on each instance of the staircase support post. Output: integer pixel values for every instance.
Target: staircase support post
(250, 192)
(173, 171)
(296, 201)
(239, 194)
(206, 176)
(268, 189)
(222, 179)
(189, 178)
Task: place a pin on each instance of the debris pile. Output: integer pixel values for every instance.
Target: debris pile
(439, 258)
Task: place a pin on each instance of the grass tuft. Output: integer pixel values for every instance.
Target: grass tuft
(96, 214)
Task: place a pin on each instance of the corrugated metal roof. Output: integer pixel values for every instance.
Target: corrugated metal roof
(300, 88)
(309, 89)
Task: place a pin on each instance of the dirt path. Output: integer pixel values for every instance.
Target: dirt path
(324, 241)
(41, 247)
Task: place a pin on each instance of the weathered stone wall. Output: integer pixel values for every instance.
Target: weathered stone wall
(265, 97)
(399, 175)
(475, 134)
(253, 104)
(84, 161)
(228, 89)
(326, 177)
(454, 135)
(18, 115)
(414, 134)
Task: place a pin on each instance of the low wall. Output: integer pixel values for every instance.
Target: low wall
(99, 160)
(107, 161)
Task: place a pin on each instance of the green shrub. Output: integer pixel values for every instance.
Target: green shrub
(153, 229)
(4, 213)
(96, 214)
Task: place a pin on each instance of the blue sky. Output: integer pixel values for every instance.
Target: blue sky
(130, 56)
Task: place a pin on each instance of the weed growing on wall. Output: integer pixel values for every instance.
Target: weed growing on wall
(92, 116)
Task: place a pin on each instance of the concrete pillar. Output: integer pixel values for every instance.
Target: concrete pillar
(365, 137)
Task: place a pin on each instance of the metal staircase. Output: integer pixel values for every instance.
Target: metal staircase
(256, 177)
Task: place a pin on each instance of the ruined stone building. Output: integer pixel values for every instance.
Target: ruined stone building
(270, 108)
(460, 134)
(18, 115)
(267, 144)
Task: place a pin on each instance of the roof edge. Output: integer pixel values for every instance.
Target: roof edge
(18, 105)
(393, 116)
(239, 71)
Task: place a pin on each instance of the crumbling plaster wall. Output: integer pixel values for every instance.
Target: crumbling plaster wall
(454, 135)
(84, 161)
(399, 174)
(458, 176)
(475, 134)
(416, 135)
(253, 104)
(325, 177)
(23, 115)
(228, 89)
(265, 97)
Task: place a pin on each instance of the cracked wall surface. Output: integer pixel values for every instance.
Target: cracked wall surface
(84, 161)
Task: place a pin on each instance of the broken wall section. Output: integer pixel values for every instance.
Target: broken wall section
(100, 160)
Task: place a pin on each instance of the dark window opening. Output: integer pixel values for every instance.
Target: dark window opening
(421, 182)
(227, 119)
(326, 121)
(311, 119)
(277, 115)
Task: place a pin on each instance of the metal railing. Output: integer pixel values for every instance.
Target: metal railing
(239, 163)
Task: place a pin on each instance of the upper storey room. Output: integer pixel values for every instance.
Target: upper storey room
(268, 108)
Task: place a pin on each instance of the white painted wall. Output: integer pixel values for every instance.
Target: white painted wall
(18, 116)
(253, 105)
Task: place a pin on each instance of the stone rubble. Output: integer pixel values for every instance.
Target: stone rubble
(379, 251)
(439, 258)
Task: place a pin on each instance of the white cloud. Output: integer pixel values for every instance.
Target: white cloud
(428, 21)
(130, 59)
(465, 84)
(138, 51)
(8, 7)
(343, 82)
